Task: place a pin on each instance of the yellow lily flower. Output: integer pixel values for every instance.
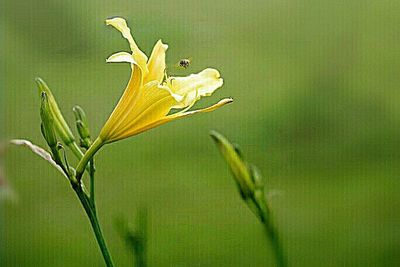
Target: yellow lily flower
(150, 94)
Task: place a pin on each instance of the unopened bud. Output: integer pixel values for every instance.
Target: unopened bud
(82, 126)
(47, 128)
(47, 125)
(60, 125)
(82, 130)
(80, 114)
(237, 165)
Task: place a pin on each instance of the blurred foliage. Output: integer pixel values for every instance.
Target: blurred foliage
(316, 107)
(135, 237)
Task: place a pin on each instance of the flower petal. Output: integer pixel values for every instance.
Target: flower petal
(156, 63)
(121, 57)
(154, 104)
(194, 86)
(220, 103)
(182, 114)
(139, 56)
(125, 104)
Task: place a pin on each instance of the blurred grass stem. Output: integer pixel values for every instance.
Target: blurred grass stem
(270, 228)
(272, 235)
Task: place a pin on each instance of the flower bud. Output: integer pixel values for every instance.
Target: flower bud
(247, 176)
(82, 130)
(60, 125)
(80, 114)
(237, 165)
(47, 126)
(82, 126)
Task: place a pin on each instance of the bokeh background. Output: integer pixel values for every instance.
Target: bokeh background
(316, 89)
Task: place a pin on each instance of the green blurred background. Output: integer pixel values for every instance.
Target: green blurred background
(316, 107)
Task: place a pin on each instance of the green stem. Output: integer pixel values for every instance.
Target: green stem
(272, 235)
(140, 258)
(91, 173)
(97, 144)
(140, 246)
(91, 213)
(269, 226)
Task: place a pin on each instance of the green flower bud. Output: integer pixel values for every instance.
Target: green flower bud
(252, 188)
(82, 130)
(237, 165)
(84, 134)
(60, 125)
(80, 114)
(82, 126)
(47, 126)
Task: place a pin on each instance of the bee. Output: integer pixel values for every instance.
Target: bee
(184, 63)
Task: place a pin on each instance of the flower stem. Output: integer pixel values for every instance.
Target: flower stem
(272, 235)
(97, 144)
(91, 213)
(88, 202)
(266, 217)
(91, 196)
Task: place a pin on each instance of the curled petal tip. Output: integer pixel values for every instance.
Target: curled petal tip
(121, 57)
(165, 46)
(224, 101)
(228, 100)
(112, 19)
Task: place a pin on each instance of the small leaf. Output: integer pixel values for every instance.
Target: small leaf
(38, 151)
